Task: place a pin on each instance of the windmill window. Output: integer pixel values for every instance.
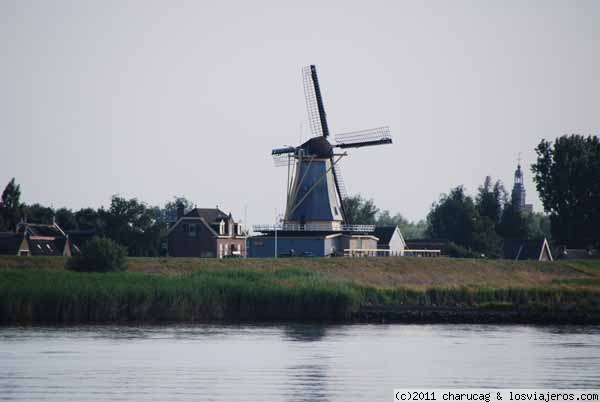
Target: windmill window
(335, 210)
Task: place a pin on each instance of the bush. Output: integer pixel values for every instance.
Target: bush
(99, 255)
(457, 251)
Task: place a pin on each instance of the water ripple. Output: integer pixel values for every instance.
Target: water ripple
(288, 362)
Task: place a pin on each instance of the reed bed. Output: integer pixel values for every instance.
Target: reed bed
(235, 294)
(38, 295)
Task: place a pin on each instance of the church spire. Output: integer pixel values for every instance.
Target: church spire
(518, 192)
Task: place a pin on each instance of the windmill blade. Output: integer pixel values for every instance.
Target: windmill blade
(339, 186)
(283, 156)
(364, 138)
(281, 151)
(314, 102)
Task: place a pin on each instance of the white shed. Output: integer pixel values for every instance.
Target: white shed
(390, 239)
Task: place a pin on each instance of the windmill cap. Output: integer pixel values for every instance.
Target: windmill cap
(318, 146)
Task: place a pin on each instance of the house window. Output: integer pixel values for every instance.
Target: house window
(335, 210)
(239, 229)
(192, 232)
(185, 228)
(222, 228)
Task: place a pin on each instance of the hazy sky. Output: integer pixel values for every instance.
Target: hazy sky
(155, 99)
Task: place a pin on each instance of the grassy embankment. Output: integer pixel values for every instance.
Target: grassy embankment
(403, 289)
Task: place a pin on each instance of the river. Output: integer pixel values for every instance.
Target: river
(288, 362)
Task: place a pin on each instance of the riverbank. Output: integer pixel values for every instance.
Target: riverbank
(36, 290)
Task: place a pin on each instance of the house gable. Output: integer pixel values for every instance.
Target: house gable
(192, 237)
(545, 254)
(390, 238)
(520, 249)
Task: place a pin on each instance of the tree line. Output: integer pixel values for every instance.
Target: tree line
(567, 178)
(474, 226)
(566, 174)
(138, 227)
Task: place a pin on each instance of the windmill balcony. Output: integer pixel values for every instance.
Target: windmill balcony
(312, 227)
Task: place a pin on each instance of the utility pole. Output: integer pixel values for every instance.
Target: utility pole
(275, 232)
(246, 231)
(275, 241)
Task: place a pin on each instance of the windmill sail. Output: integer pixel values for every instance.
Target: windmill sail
(340, 187)
(283, 151)
(314, 102)
(364, 138)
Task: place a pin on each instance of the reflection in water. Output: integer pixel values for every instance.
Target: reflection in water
(305, 332)
(289, 362)
(307, 382)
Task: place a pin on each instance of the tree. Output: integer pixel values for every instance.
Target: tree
(99, 255)
(410, 230)
(539, 226)
(134, 225)
(65, 219)
(490, 199)
(89, 218)
(567, 177)
(455, 217)
(38, 213)
(514, 224)
(360, 211)
(10, 206)
(169, 212)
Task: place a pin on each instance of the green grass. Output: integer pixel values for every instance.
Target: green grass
(285, 294)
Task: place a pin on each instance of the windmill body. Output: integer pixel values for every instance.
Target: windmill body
(315, 211)
(314, 200)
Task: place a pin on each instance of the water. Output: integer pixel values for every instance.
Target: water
(288, 362)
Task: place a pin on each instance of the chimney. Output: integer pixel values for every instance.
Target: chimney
(180, 209)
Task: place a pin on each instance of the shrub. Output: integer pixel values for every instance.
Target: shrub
(457, 251)
(99, 255)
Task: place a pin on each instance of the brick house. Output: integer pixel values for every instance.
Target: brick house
(205, 232)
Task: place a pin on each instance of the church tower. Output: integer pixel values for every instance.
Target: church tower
(518, 192)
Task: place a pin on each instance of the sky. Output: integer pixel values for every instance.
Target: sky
(156, 99)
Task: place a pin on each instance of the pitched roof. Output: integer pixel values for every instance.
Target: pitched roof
(385, 234)
(9, 243)
(523, 249)
(211, 215)
(195, 218)
(36, 229)
(45, 246)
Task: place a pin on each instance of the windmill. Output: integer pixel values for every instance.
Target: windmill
(315, 189)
